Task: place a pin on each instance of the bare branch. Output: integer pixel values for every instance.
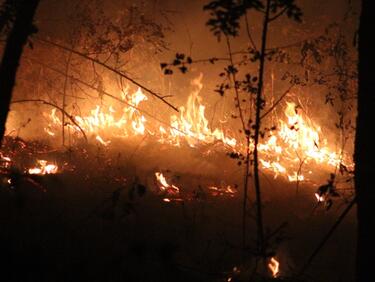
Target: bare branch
(109, 68)
(277, 102)
(277, 15)
(55, 106)
(249, 34)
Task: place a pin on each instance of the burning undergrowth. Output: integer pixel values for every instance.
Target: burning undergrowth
(293, 146)
(122, 153)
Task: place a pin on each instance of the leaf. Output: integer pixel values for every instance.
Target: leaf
(183, 69)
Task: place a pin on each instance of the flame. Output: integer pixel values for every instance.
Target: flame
(101, 141)
(216, 191)
(122, 123)
(297, 142)
(5, 161)
(320, 198)
(192, 125)
(164, 185)
(287, 151)
(274, 267)
(44, 168)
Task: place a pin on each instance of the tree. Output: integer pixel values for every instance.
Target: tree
(24, 11)
(224, 22)
(364, 146)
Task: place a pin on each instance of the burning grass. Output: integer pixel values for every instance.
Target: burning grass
(182, 165)
(294, 147)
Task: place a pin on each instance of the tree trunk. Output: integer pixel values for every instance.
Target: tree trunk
(258, 108)
(16, 40)
(365, 147)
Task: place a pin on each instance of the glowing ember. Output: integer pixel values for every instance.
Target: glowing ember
(216, 191)
(4, 161)
(101, 141)
(164, 186)
(273, 266)
(44, 168)
(319, 198)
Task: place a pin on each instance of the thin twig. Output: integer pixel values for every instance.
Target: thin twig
(277, 102)
(55, 106)
(248, 32)
(278, 14)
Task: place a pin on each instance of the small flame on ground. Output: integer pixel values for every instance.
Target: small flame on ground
(319, 198)
(101, 141)
(216, 191)
(5, 161)
(273, 266)
(44, 168)
(164, 185)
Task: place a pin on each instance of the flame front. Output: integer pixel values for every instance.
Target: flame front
(192, 125)
(295, 145)
(101, 120)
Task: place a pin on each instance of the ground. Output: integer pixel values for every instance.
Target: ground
(104, 218)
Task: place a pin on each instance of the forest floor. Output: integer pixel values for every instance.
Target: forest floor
(103, 217)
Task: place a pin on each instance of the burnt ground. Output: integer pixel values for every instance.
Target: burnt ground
(103, 218)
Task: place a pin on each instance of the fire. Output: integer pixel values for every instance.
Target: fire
(225, 189)
(287, 151)
(296, 143)
(164, 185)
(44, 168)
(192, 125)
(101, 120)
(4, 161)
(274, 267)
(101, 141)
(320, 198)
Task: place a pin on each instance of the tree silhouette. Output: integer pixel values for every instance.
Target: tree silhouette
(364, 146)
(23, 11)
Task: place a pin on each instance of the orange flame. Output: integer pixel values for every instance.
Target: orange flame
(297, 141)
(164, 185)
(44, 168)
(274, 267)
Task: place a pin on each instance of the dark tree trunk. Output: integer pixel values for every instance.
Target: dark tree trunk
(365, 147)
(16, 40)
